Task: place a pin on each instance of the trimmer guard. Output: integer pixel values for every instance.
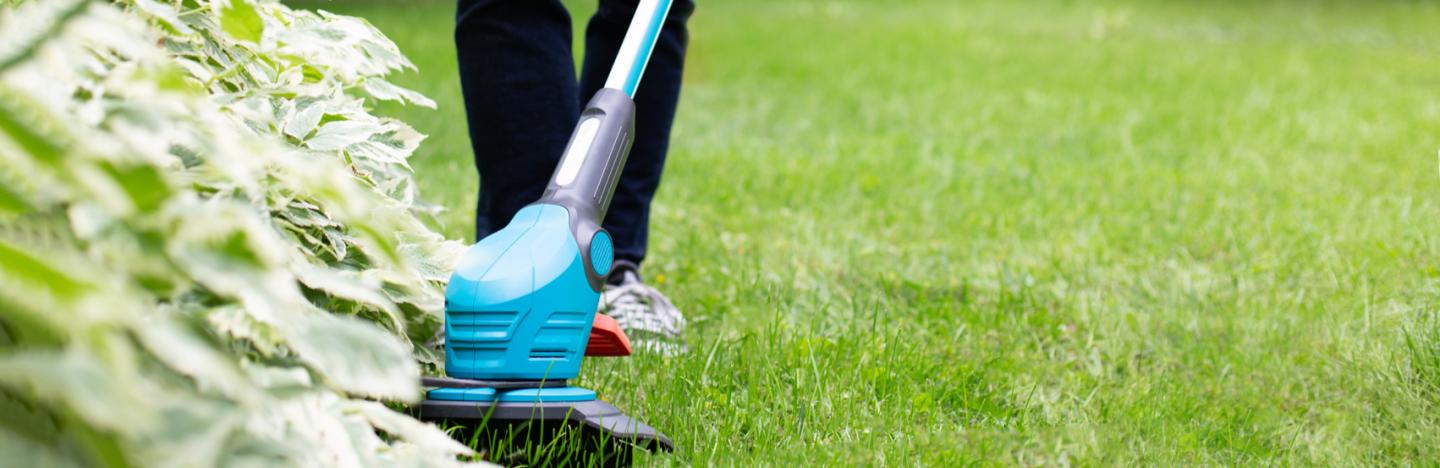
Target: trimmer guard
(593, 414)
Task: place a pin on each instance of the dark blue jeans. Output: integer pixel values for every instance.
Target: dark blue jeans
(522, 98)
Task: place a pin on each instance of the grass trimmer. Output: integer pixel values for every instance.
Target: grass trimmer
(520, 309)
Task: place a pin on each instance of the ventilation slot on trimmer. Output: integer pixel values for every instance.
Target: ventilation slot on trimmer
(548, 353)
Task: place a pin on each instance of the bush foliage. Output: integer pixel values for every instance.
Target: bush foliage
(205, 238)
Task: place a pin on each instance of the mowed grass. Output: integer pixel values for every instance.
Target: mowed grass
(1030, 233)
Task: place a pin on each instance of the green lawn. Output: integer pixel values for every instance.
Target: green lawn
(1001, 233)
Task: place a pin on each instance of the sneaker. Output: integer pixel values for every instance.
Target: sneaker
(649, 319)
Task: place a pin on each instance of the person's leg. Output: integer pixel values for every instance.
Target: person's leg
(518, 78)
(628, 219)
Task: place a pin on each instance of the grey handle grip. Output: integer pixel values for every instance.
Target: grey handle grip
(593, 160)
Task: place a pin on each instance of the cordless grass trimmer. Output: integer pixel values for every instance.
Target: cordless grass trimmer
(520, 309)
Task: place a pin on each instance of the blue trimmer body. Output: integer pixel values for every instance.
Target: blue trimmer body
(520, 304)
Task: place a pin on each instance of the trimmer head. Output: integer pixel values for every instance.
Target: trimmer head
(559, 405)
(529, 417)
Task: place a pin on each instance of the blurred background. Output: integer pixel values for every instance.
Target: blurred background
(1028, 232)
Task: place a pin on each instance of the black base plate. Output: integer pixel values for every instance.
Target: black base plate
(595, 415)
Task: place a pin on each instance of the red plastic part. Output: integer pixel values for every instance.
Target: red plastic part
(607, 339)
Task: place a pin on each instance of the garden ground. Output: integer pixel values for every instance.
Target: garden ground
(927, 232)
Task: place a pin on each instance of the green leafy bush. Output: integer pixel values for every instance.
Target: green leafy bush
(205, 237)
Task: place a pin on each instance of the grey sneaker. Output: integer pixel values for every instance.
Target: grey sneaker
(649, 319)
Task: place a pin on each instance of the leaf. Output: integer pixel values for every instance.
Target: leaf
(356, 357)
(11, 202)
(189, 355)
(304, 115)
(145, 185)
(165, 14)
(273, 377)
(385, 53)
(196, 433)
(313, 424)
(233, 322)
(22, 265)
(349, 286)
(338, 135)
(79, 382)
(240, 19)
(43, 20)
(385, 91)
(30, 138)
(426, 437)
(22, 451)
